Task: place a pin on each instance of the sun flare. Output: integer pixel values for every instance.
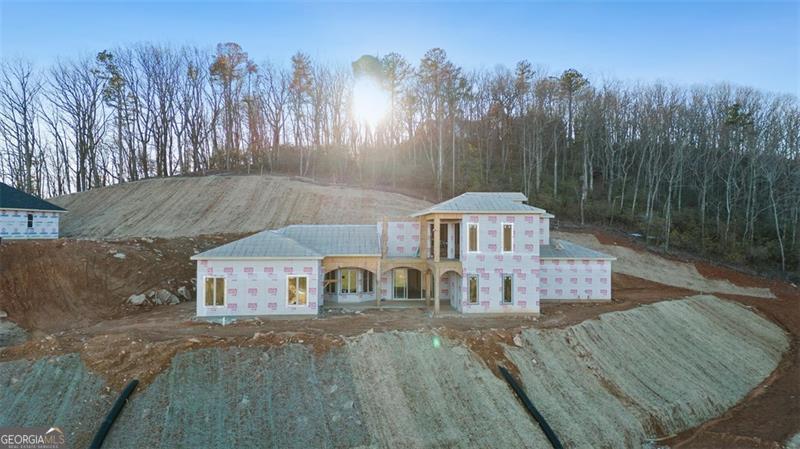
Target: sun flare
(370, 102)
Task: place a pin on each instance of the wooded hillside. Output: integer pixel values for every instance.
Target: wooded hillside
(714, 169)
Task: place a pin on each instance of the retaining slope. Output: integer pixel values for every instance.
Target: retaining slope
(611, 382)
(629, 376)
(190, 206)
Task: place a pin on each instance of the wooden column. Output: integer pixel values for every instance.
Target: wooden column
(426, 279)
(378, 285)
(436, 292)
(436, 238)
(384, 235)
(423, 238)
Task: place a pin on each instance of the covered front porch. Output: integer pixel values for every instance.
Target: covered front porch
(388, 305)
(414, 282)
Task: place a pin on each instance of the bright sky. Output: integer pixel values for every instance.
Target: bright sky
(746, 43)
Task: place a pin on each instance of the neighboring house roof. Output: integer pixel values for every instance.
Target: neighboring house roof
(302, 241)
(336, 240)
(11, 198)
(483, 202)
(263, 245)
(562, 249)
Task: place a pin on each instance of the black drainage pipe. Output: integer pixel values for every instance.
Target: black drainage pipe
(105, 426)
(554, 441)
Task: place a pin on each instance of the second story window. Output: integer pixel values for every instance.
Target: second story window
(508, 237)
(473, 237)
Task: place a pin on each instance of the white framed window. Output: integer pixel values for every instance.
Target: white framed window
(367, 281)
(30, 221)
(508, 237)
(508, 289)
(472, 238)
(331, 281)
(349, 281)
(472, 288)
(214, 291)
(296, 291)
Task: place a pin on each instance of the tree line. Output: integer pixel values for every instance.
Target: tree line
(714, 169)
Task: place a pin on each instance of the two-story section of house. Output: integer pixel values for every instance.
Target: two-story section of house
(480, 252)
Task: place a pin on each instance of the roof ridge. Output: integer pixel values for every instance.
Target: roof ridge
(282, 235)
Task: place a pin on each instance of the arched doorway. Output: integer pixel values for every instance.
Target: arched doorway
(450, 288)
(406, 283)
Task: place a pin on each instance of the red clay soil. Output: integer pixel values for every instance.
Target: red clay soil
(770, 414)
(628, 291)
(76, 289)
(54, 285)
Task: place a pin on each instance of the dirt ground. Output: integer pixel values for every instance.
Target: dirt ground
(770, 414)
(79, 308)
(52, 285)
(193, 206)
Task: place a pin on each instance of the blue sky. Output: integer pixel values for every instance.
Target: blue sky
(746, 43)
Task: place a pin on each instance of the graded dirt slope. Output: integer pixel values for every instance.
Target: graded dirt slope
(380, 390)
(190, 206)
(644, 265)
(53, 391)
(54, 285)
(651, 371)
(615, 381)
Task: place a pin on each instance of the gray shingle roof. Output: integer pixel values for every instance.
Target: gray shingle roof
(304, 241)
(336, 240)
(11, 198)
(562, 249)
(265, 244)
(498, 202)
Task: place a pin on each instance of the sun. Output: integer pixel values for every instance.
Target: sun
(370, 102)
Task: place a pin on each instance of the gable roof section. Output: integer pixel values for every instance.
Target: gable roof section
(496, 202)
(336, 240)
(11, 198)
(562, 249)
(263, 245)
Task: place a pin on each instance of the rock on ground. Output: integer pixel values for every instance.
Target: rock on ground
(163, 296)
(156, 297)
(137, 300)
(184, 293)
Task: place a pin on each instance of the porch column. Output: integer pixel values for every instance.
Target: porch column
(426, 280)
(436, 293)
(436, 238)
(423, 238)
(378, 285)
